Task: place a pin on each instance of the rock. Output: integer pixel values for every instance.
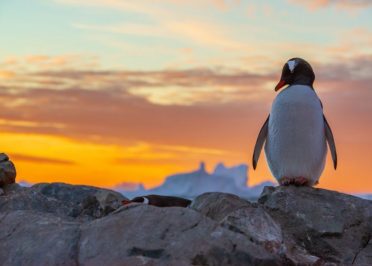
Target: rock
(12, 188)
(3, 157)
(258, 226)
(82, 202)
(364, 256)
(92, 201)
(34, 238)
(332, 226)
(61, 224)
(28, 199)
(7, 170)
(132, 235)
(217, 205)
(242, 217)
(141, 234)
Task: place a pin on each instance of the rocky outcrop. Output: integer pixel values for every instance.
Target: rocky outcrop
(7, 171)
(51, 224)
(329, 225)
(63, 200)
(144, 234)
(60, 224)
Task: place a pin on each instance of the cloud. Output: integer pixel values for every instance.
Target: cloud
(143, 6)
(199, 113)
(194, 31)
(172, 26)
(116, 117)
(173, 107)
(103, 106)
(39, 160)
(204, 33)
(127, 28)
(171, 20)
(155, 154)
(168, 87)
(317, 4)
(41, 62)
(354, 68)
(140, 6)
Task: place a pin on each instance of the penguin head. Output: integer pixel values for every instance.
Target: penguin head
(143, 200)
(296, 71)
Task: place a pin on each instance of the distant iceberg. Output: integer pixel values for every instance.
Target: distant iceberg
(365, 196)
(189, 185)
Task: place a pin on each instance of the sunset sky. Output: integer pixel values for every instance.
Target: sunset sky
(102, 92)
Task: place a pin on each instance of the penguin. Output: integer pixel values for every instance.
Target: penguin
(296, 131)
(159, 201)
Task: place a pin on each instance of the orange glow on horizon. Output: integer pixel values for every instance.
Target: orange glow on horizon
(43, 158)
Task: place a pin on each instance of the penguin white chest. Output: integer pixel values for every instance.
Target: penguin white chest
(296, 143)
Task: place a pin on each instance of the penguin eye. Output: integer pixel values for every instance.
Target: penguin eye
(291, 65)
(286, 72)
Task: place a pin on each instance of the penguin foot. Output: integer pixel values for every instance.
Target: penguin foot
(285, 181)
(297, 181)
(300, 181)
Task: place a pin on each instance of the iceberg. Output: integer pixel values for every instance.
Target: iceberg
(191, 184)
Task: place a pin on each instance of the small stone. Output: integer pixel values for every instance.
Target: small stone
(3, 157)
(7, 171)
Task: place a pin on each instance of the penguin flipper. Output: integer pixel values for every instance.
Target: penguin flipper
(331, 142)
(259, 143)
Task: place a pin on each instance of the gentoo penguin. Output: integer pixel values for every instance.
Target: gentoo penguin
(296, 130)
(160, 201)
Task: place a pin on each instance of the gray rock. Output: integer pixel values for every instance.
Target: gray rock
(251, 220)
(7, 170)
(143, 234)
(332, 226)
(13, 188)
(240, 216)
(93, 201)
(82, 202)
(28, 199)
(60, 224)
(258, 226)
(364, 256)
(134, 235)
(32, 238)
(3, 157)
(217, 205)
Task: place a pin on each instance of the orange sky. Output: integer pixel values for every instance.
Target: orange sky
(107, 137)
(114, 92)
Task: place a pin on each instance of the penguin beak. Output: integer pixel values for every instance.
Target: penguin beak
(280, 84)
(125, 202)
